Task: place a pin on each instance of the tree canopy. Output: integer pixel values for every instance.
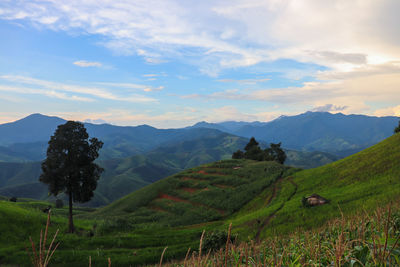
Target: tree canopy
(69, 166)
(253, 151)
(397, 129)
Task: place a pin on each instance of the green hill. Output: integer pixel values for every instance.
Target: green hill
(202, 194)
(360, 182)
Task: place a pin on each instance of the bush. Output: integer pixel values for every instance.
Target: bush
(59, 204)
(13, 199)
(397, 129)
(238, 155)
(215, 240)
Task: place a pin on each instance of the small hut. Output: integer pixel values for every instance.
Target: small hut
(314, 200)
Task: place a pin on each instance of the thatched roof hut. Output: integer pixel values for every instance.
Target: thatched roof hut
(316, 200)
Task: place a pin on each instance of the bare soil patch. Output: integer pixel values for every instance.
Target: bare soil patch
(192, 179)
(189, 189)
(173, 198)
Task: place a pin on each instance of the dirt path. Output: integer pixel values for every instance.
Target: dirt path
(268, 219)
(274, 190)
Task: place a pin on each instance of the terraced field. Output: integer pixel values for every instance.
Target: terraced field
(207, 193)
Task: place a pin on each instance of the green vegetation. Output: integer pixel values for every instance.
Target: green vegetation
(253, 151)
(365, 239)
(362, 181)
(262, 200)
(207, 193)
(397, 129)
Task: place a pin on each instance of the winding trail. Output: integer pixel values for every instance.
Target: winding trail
(274, 191)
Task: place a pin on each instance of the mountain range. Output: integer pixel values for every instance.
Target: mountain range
(338, 134)
(134, 157)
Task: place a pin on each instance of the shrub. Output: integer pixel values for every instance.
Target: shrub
(215, 240)
(13, 199)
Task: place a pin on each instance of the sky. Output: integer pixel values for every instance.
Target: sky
(173, 63)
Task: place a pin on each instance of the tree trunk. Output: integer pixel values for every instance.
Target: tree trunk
(71, 222)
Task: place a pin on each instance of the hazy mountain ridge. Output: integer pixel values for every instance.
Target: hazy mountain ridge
(26, 139)
(318, 131)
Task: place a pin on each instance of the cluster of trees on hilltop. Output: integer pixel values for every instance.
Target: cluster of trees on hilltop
(253, 151)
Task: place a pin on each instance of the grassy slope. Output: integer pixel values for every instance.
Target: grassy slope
(361, 181)
(206, 193)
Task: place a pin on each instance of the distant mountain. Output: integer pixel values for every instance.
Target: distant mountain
(319, 131)
(26, 139)
(227, 126)
(34, 128)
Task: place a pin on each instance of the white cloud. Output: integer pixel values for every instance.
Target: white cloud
(85, 64)
(22, 84)
(226, 34)
(142, 87)
(245, 81)
(389, 111)
(228, 113)
(45, 92)
(358, 94)
(95, 121)
(329, 108)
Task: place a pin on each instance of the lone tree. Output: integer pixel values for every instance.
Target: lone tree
(397, 129)
(69, 166)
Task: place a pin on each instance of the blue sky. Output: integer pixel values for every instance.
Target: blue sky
(174, 63)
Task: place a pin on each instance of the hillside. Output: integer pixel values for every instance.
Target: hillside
(202, 194)
(359, 183)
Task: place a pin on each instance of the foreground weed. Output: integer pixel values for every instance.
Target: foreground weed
(42, 257)
(364, 240)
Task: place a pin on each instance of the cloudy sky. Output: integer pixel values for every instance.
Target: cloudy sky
(173, 63)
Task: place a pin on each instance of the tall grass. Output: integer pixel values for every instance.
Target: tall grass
(362, 240)
(41, 257)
